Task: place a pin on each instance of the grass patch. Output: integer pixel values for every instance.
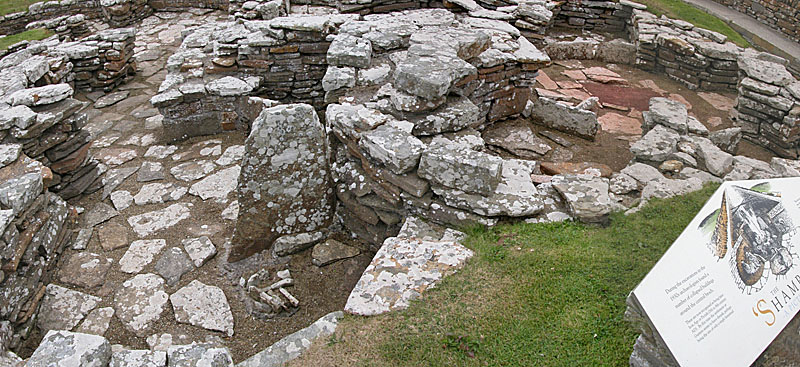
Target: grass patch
(13, 6)
(677, 9)
(30, 35)
(533, 295)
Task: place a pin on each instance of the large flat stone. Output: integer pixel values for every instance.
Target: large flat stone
(284, 187)
(402, 269)
(140, 302)
(203, 305)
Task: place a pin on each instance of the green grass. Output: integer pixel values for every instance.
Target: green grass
(13, 6)
(533, 295)
(678, 9)
(30, 35)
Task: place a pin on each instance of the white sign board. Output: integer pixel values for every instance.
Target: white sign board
(731, 282)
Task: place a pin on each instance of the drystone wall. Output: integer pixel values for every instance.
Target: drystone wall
(781, 15)
(45, 152)
(35, 228)
(282, 59)
(603, 16)
(48, 10)
(408, 120)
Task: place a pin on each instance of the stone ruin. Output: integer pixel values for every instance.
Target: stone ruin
(385, 121)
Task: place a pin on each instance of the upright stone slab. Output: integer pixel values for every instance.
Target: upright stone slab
(284, 186)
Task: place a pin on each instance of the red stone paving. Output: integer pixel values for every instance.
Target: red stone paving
(618, 124)
(718, 101)
(647, 83)
(574, 75)
(551, 94)
(575, 93)
(605, 79)
(714, 122)
(568, 84)
(600, 71)
(631, 97)
(679, 98)
(544, 80)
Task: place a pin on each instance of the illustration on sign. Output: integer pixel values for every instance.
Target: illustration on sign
(734, 272)
(757, 229)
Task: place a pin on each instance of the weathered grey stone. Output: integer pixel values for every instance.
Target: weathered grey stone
(331, 251)
(656, 145)
(294, 243)
(115, 156)
(99, 213)
(115, 177)
(586, 197)
(703, 176)
(785, 167)
(284, 187)
(218, 185)
(139, 302)
(401, 270)
(696, 127)
(173, 264)
(621, 184)
(38, 96)
(667, 112)
(121, 199)
(199, 355)
(85, 269)
(347, 50)
(191, 171)
(160, 151)
(431, 73)
(727, 139)
(204, 306)
(150, 171)
(18, 193)
(666, 188)
(199, 249)
(642, 173)
(517, 139)
(765, 71)
(228, 86)
(515, 195)
(396, 149)
(457, 167)
(9, 153)
(565, 118)
(455, 115)
(138, 358)
(139, 254)
(716, 161)
(111, 99)
(293, 345)
(63, 308)
(722, 51)
(97, 321)
(82, 239)
(151, 222)
(65, 349)
(339, 77)
(157, 193)
(233, 154)
(760, 87)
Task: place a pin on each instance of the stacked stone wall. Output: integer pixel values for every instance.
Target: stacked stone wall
(605, 16)
(782, 15)
(42, 11)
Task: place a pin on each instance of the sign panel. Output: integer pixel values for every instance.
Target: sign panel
(731, 282)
